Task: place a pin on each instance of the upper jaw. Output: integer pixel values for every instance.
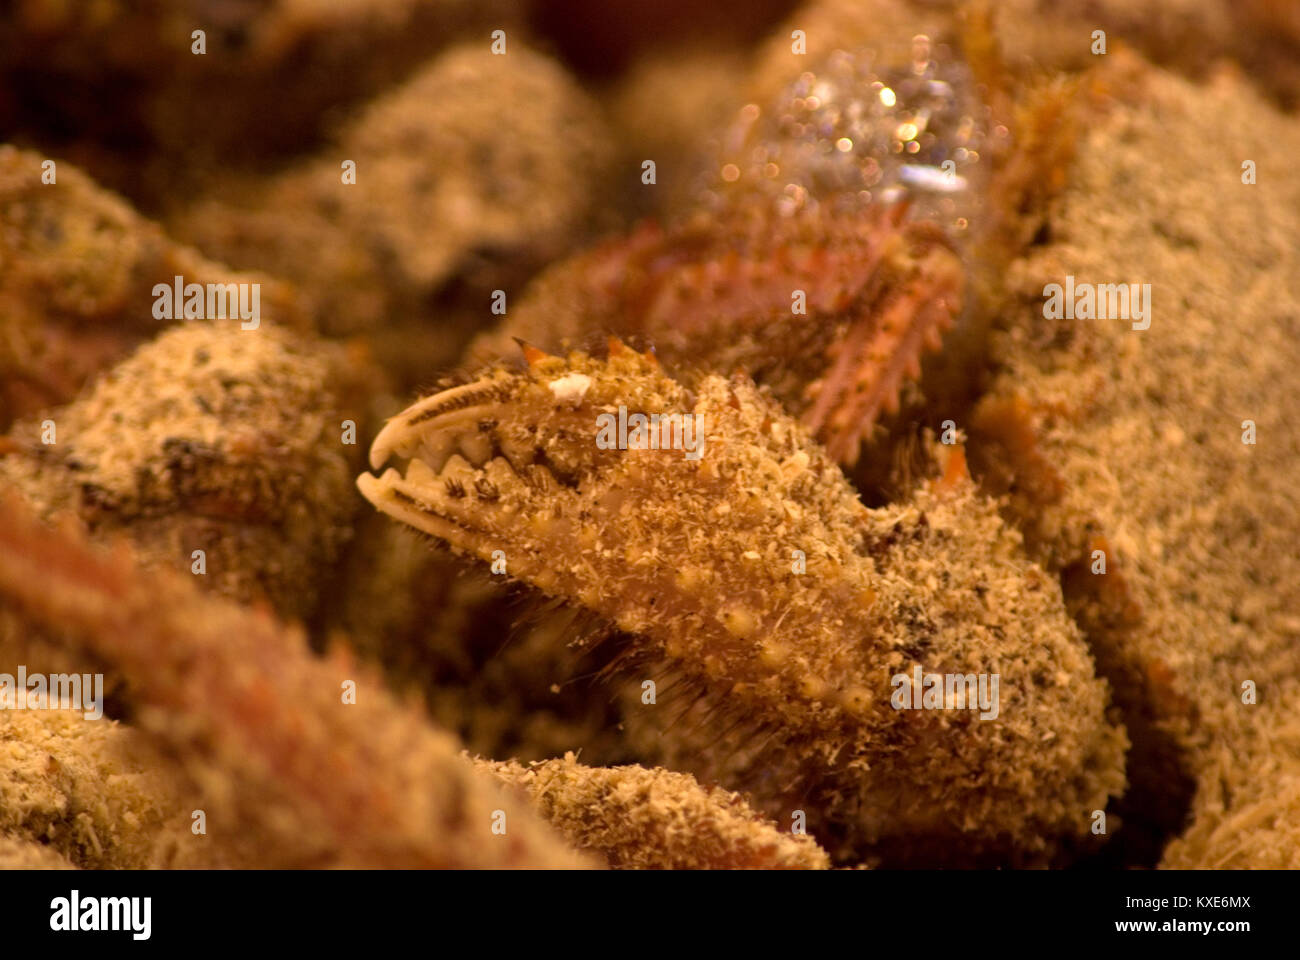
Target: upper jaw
(417, 430)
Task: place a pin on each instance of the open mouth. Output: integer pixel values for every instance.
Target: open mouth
(468, 467)
(452, 462)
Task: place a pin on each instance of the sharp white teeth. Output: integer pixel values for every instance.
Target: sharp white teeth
(370, 487)
(435, 448)
(388, 441)
(399, 437)
(377, 489)
(388, 495)
(420, 473)
(467, 403)
(477, 447)
(457, 476)
(458, 468)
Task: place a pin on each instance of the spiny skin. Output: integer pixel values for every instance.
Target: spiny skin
(694, 559)
(720, 294)
(653, 819)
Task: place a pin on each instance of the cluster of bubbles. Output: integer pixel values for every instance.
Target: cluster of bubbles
(855, 133)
